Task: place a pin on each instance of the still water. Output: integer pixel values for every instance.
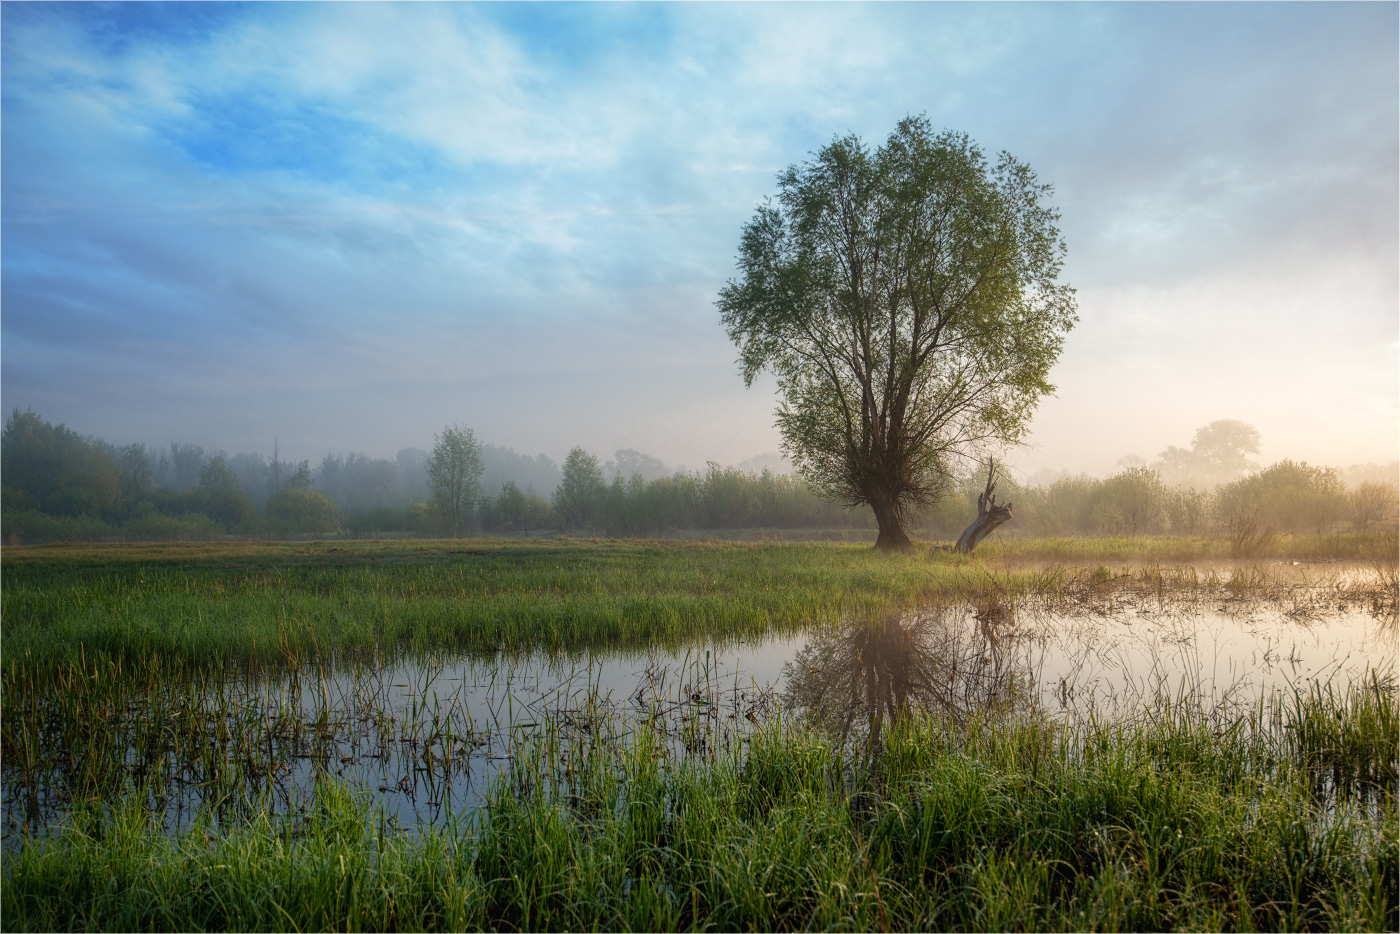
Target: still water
(426, 737)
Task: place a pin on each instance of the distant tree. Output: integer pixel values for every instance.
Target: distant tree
(1224, 447)
(63, 472)
(299, 477)
(224, 500)
(359, 483)
(907, 302)
(1188, 510)
(629, 462)
(251, 468)
(285, 475)
(217, 474)
(137, 478)
(413, 473)
(1132, 502)
(578, 502)
(454, 475)
(1180, 467)
(181, 471)
(515, 509)
(501, 465)
(1219, 454)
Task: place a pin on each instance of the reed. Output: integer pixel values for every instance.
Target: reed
(1170, 821)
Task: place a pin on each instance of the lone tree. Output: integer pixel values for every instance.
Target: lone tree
(907, 301)
(454, 475)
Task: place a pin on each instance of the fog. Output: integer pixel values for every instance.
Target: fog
(337, 229)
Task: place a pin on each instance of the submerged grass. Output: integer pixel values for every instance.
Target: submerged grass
(1173, 821)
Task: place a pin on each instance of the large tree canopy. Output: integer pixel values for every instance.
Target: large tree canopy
(907, 302)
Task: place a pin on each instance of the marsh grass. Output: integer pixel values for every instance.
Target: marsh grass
(212, 605)
(1173, 821)
(132, 670)
(269, 603)
(1256, 545)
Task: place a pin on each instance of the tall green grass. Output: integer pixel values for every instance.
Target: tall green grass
(1174, 821)
(212, 604)
(267, 603)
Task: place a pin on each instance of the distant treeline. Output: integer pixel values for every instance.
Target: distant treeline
(1287, 497)
(61, 485)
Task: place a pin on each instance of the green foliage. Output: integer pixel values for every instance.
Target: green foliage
(581, 499)
(293, 511)
(907, 302)
(1170, 823)
(454, 476)
(30, 525)
(63, 472)
(216, 475)
(514, 510)
(1132, 502)
(1286, 497)
(152, 526)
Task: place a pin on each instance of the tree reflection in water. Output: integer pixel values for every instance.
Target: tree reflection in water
(955, 659)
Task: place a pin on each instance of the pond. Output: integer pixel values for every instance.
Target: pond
(427, 736)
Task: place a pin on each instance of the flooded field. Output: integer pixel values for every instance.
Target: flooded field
(428, 733)
(672, 735)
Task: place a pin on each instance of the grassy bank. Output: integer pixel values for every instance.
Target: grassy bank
(1175, 821)
(270, 602)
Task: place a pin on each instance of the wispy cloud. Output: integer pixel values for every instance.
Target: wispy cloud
(471, 209)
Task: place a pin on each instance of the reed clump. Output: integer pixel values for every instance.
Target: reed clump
(1175, 820)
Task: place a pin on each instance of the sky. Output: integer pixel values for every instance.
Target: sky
(345, 226)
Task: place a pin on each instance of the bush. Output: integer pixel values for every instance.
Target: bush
(515, 509)
(302, 512)
(30, 527)
(157, 527)
(1287, 497)
(1129, 503)
(1372, 504)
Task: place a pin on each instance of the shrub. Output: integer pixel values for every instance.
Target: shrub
(1287, 497)
(302, 512)
(28, 527)
(156, 527)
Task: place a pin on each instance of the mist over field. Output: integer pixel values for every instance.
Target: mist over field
(342, 227)
(678, 466)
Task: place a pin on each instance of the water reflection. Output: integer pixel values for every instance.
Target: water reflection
(955, 659)
(426, 735)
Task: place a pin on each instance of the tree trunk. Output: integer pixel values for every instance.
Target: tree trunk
(892, 535)
(989, 515)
